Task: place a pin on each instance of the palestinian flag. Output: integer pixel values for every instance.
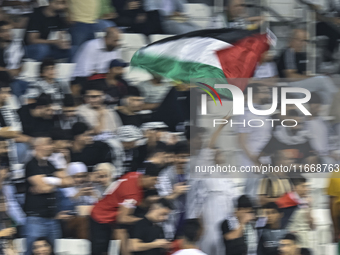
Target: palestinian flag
(222, 54)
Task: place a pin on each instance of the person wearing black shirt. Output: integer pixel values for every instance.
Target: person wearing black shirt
(40, 202)
(271, 234)
(115, 86)
(289, 246)
(85, 150)
(234, 227)
(131, 105)
(45, 23)
(131, 14)
(294, 140)
(292, 62)
(146, 236)
(37, 117)
(68, 115)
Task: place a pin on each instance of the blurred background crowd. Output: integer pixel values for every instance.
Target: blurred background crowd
(97, 157)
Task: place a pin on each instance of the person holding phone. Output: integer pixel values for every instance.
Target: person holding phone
(235, 228)
(94, 113)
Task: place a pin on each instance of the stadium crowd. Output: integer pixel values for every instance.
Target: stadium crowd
(101, 159)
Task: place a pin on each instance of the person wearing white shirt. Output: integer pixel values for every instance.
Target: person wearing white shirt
(234, 15)
(95, 55)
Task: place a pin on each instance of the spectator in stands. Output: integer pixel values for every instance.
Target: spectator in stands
(83, 192)
(328, 21)
(211, 199)
(234, 15)
(320, 130)
(292, 62)
(9, 190)
(103, 176)
(146, 236)
(289, 245)
(37, 117)
(252, 140)
(42, 246)
(274, 185)
(68, 115)
(136, 18)
(7, 232)
(46, 34)
(40, 203)
(95, 56)
(94, 113)
(131, 104)
(126, 149)
(173, 17)
(192, 231)
(83, 14)
(18, 11)
(236, 230)
(295, 140)
(11, 54)
(154, 91)
(85, 150)
(271, 234)
(172, 185)
(296, 210)
(115, 85)
(11, 127)
(48, 84)
(118, 206)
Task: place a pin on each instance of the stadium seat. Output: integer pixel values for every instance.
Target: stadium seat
(199, 14)
(157, 37)
(72, 246)
(18, 33)
(20, 245)
(133, 40)
(114, 247)
(64, 71)
(30, 70)
(130, 44)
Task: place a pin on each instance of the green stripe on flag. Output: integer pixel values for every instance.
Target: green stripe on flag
(175, 69)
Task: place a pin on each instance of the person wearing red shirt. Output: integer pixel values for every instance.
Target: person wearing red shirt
(117, 206)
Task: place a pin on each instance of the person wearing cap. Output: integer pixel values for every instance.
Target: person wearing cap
(78, 200)
(85, 150)
(94, 113)
(117, 208)
(126, 148)
(154, 91)
(131, 104)
(82, 193)
(115, 85)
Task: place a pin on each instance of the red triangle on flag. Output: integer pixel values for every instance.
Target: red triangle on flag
(240, 60)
